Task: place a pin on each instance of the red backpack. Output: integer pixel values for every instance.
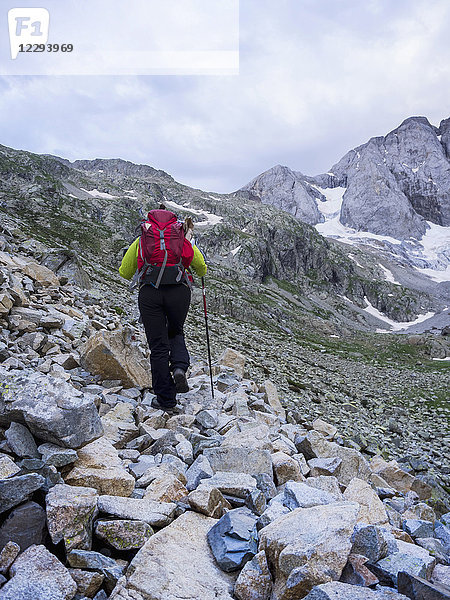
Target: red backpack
(164, 253)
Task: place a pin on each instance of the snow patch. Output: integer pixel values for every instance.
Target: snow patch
(395, 325)
(333, 228)
(332, 206)
(211, 219)
(446, 358)
(96, 194)
(389, 276)
(236, 250)
(354, 259)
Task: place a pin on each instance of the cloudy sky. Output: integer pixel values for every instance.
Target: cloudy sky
(317, 78)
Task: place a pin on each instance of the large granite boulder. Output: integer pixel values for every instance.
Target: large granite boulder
(308, 546)
(24, 525)
(38, 575)
(114, 355)
(53, 410)
(70, 514)
(314, 445)
(15, 490)
(372, 510)
(336, 590)
(174, 563)
(99, 466)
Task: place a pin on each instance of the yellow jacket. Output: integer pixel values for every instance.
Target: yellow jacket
(129, 262)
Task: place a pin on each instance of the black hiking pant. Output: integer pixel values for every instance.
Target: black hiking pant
(164, 311)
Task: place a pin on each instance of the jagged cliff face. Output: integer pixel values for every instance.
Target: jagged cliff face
(398, 182)
(394, 184)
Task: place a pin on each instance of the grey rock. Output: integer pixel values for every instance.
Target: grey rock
(88, 583)
(57, 456)
(208, 501)
(239, 460)
(300, 495)
(156, 514)
(234, 484)
(24, 526)
(87, 559)
(435, 548)
(70, 514)
(326, 483)
(8, 556)
(7, 467)
(275, 510)
(370, 541)
(308, 546)
(163, 568)
(200, 469)
(234, 539)
(264, 482)
(335, 590)
(418, 528)
(256, 502)
(314, 445)
(21, 441)
(410, 558)
(208, 419)
(324, 466)
(254, 581)
(441, 575)
(145, 462)
(53, 410)
(442, 533)
(417, 588)
(36, 574)
(123, 534)
(15, 490)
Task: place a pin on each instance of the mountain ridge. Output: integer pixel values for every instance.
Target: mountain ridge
(92, 208)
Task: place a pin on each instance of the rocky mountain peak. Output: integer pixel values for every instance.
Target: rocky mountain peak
(288, 190)
(118, 166)
(394, 184)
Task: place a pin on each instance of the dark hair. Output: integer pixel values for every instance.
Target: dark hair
(162, 207)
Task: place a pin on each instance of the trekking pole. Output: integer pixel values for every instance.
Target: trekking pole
(207, 336)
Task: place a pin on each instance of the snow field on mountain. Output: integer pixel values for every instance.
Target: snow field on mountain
(211, 219)
(395, 325)
(432, 250)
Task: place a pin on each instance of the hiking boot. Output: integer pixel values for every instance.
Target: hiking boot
(181, 384)
(160, 404)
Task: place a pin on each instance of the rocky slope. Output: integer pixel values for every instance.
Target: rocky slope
(100, 493)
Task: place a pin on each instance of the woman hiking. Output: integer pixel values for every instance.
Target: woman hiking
(162, 256)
